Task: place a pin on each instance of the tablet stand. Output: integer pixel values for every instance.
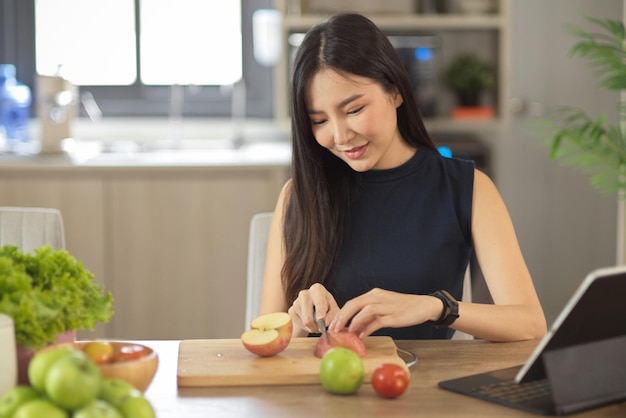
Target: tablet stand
(587, 375)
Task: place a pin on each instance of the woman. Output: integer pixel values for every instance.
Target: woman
(375, 229)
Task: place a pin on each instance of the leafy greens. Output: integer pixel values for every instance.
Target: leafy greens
(49, 292)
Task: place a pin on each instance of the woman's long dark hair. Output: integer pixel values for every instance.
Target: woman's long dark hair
(323, 185)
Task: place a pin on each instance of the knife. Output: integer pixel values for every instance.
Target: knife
(321, 325)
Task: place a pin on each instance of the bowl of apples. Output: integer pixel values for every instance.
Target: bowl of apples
(130, 361)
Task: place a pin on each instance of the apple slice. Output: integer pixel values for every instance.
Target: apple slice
(342, 338)
(270, 334)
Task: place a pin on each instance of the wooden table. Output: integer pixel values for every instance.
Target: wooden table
(437, 360)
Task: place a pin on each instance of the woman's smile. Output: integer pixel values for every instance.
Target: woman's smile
(356, 152)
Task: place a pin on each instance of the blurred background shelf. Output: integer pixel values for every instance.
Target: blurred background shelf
(454, 32)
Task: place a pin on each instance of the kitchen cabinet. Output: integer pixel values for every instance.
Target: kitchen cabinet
(81, 202)
(178, 265)
(169, 242)
(486, 34)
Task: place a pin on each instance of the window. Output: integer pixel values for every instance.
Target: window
(128, 53)
(201, 46)
(186, 42)
(104, 51)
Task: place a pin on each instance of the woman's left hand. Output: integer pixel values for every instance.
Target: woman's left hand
(380, 308)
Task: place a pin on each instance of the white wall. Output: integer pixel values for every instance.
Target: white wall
(565, 228)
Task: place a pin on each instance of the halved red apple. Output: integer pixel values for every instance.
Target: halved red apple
(342, 338)
(269, 334)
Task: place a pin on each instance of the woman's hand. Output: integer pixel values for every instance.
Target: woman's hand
(315, 298)
(379, 308)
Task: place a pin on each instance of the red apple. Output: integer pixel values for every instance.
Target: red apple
(270, 334)
(342, 338)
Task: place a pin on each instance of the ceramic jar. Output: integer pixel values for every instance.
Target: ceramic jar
(8, 359)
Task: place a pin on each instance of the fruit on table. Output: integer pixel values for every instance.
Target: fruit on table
(100, 352)
(98, 409)
(114, 391)
(40, 408)
(39, 365)
(342, 338)
(127, 352)
(269, 334)
(390, 380)
(15, 397)
(73, 381)
(136, 407)
(68, 390)
(341, 371)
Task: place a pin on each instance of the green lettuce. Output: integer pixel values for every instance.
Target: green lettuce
(49, 292)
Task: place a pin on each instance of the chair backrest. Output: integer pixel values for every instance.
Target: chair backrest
(257, 249)
(29, 228)
(467, 297)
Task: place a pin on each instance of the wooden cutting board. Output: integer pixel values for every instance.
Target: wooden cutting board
(225, 362)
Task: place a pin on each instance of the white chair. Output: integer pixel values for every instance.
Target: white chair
(467, 297)
(257, 249)
(29, 228)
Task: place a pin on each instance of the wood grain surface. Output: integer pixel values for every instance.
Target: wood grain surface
(225, 362)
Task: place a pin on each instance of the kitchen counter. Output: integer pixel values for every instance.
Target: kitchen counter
(133, 143)
(248, 156)
(165, 232)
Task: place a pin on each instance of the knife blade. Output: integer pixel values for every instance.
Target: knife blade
(321, 326)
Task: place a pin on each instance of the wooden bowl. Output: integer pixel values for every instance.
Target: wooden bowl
(139, 371)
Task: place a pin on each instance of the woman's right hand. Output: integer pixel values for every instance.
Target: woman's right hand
(313, 302)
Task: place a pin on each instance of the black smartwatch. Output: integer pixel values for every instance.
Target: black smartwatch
(450, 311)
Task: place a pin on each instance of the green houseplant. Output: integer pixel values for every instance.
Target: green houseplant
(468, 76)
(593, 143)
(47, 293)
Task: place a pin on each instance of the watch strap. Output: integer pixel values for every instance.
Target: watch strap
(450, 311)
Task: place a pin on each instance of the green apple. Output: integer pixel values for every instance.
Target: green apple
(136, 407)
(41, 362)
(40, 408)
(73, 381)
(97, 409)
(341, 371)
(114, 391)
(14, 398)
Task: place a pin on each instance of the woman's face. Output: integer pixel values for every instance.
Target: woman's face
(355, 119)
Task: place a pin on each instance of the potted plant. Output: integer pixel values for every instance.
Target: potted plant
(588, 142)
(595, 144)
(468, 76)
(48, 293)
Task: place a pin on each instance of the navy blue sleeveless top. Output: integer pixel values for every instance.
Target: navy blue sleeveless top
(409, 231)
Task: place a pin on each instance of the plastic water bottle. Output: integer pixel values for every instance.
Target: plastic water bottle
(15, 99)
